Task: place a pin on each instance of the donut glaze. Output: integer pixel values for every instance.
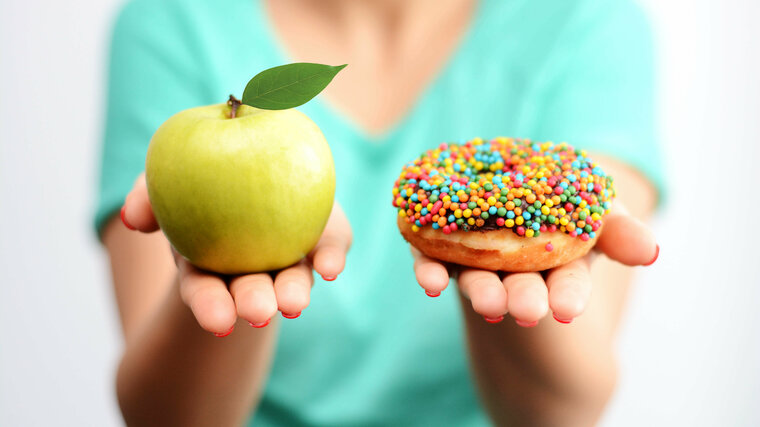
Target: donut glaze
(505, 204)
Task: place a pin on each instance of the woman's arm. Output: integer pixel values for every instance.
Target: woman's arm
(554, 374)
(174, 372)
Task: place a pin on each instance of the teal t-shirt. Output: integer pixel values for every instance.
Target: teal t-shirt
(372, 348)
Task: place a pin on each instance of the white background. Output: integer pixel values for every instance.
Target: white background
(690, 343)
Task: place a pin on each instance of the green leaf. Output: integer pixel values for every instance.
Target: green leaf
(288, 86)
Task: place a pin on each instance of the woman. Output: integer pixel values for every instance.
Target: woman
(371, 348)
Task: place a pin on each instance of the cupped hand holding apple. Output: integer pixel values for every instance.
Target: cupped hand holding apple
(243, 189)
(217, 301)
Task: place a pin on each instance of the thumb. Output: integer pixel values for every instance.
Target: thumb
(137, 213)
(627, 240)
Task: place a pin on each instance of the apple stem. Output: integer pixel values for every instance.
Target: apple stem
(234, 103)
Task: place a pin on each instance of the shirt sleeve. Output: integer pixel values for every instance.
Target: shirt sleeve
(154, 72)
(599, 95)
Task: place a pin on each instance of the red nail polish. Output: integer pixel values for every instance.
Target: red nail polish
(561, 320)
(259, 325)
(124, 220)
(432, 294)
(329, 278)
(656, 255)
(494, 319)
(224, 334)
(291, 316)
(527, 324)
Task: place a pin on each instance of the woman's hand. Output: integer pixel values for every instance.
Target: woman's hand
(528, 296)
(217, 304)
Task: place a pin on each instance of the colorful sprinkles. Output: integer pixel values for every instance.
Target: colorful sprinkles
(528, 187)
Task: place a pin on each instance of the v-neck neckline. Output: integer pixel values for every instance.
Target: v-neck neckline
(324, 106)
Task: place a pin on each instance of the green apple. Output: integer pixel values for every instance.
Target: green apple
(240, 195)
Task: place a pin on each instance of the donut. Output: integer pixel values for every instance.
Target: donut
(506, 204)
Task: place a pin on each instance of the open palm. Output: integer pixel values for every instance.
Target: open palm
(528, 296)
(218, 301)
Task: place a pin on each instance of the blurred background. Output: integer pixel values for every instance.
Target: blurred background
(690, 343)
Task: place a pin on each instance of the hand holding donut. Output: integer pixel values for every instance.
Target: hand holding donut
(527, 297)
(519, 207)
(217, 302)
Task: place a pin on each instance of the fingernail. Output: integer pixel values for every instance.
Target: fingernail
(656, 254)
(124, 220)
(526, 324)
(259, 325)
(493, 319)
(432, 294)
(561, 320)
(291, 316)
(329, 278)
(224, 334)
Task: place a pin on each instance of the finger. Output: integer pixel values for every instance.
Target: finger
(627, 240)
(329, 256)
(137, 212)
(527, 297)
(430, 274)
(208, 298)
(254, 298)
(569, 289)
(292, 287)
(486, 292)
